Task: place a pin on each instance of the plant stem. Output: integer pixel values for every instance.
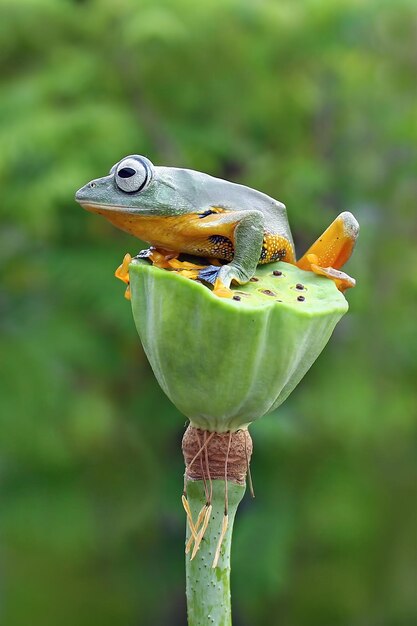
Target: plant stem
(208, 589)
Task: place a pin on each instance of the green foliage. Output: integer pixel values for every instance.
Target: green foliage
(313, 103)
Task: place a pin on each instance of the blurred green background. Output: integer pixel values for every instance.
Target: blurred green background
(311, 102)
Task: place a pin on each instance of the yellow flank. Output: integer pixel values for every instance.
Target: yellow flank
(184, 233)
(207, 236)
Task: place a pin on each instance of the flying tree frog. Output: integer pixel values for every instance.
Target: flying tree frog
(234, 227)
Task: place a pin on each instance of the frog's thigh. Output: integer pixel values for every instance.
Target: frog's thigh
(335, 245)
(276, 248)
(246, 231)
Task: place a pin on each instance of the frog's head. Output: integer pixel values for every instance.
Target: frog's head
(135, 186)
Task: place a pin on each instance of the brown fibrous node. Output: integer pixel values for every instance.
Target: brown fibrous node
(217, 447)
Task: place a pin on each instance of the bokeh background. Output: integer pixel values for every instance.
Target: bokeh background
(312, 102)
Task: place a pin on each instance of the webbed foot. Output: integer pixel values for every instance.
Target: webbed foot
(209, 274)
(332, 250)
(342, 280)
(122, 273)
(213, 274)
(185, 268)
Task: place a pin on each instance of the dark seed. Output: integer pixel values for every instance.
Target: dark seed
(277, 273)
(301, 298)
(299, 286)
(254, 279)
(236, 298)
(279, 300)
(268, 292)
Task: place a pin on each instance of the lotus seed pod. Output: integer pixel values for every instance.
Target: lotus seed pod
(227, 362)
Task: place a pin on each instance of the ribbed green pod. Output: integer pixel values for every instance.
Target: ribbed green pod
(226, 362)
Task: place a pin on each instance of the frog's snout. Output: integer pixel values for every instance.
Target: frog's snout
(97, 192)
(86, 192)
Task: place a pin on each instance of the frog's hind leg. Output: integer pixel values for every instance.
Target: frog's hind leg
(159, 257)
(332, 250)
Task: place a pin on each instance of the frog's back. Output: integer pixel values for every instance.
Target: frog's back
(196, 192)
(203, 192)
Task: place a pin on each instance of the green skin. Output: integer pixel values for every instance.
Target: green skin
(136, 190)
(208, 588)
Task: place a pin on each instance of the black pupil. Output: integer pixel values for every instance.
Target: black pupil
(126, 172)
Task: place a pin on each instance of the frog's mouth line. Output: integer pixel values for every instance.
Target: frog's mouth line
(95, 207)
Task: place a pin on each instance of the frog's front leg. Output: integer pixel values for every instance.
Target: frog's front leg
(158, 256)
(247, 239)
(168, 259)
(332, 250)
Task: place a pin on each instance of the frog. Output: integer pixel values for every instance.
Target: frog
(234, 228)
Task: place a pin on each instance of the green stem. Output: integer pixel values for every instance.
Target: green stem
(208, 589)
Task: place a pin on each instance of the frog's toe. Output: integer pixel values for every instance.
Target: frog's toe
(212, 274)
(342, 280)
(209, 274)
(221, 291)
(122, 272)
(175, 264)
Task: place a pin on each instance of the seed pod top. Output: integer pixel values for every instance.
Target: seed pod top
(227, 362)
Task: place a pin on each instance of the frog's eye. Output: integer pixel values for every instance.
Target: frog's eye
(132, 175)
